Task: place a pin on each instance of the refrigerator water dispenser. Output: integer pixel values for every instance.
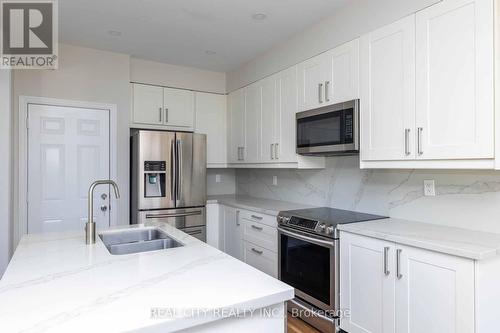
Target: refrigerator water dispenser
(154, 179)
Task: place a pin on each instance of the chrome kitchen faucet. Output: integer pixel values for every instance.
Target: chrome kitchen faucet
(90, 225)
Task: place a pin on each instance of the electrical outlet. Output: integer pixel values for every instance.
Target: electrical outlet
(217, 178)
(275, 180)
(429, 188)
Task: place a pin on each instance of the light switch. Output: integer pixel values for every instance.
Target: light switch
(217, 178)
(275, 180)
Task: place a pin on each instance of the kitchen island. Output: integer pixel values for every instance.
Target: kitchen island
(56, 283)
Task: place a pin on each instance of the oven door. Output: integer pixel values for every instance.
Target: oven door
(331, 129)
(309, 264)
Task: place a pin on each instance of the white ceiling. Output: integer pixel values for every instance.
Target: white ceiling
(181, 31)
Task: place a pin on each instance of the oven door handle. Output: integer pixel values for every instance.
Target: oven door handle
(306, 238)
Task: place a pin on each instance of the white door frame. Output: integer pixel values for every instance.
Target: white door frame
(24, 102)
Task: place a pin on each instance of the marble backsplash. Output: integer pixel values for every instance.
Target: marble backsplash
(468, 199)
(226, 184)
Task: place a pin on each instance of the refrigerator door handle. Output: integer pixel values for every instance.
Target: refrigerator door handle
(179, 169)
(173, 170)
(162, 216)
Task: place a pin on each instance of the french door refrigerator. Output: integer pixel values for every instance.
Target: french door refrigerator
(168, 180)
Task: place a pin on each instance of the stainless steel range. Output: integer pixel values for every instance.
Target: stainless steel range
(308, 260)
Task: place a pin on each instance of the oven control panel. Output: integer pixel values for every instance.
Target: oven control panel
(312, 226)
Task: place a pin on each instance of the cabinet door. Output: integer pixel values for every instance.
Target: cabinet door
(147, 104)
(268, 119)
(179, 108)
(286, 108)
(367, 284)
(253, 109)
(236, 125)
(342, 73)
(454, 41)
(233, 234)
(388, 92)
(211, 120)
(311, 83)
(434, 293)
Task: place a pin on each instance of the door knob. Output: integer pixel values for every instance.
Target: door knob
(104, 208)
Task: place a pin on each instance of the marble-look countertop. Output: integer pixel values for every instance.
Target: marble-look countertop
(259, 205)
(450, 240)
(56, 283)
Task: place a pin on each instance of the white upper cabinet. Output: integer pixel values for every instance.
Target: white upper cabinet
(427, 89)
(211, 116)
(455, 74)
(311, 83)
(387, 66)
(236, 126)
(162, 108)
(342, 73)
(268, 119)
(329, 78)
(179, 108)
(253, 109)
(284, 119)
(147, 104)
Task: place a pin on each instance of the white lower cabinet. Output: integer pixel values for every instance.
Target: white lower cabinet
(233, 232)
(261, 258)
(248, 236)
(390, 288)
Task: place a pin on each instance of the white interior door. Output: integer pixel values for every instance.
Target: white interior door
(68, 148)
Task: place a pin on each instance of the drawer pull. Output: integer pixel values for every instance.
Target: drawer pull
(257, 251)
(257, 228)
(256, 217)
(399, 275)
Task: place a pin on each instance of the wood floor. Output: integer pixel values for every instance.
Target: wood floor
(295, 325)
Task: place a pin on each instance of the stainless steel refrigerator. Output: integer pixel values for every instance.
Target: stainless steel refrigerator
(168, 180)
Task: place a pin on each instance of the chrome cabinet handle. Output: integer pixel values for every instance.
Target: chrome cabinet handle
(320, 91)
(398, 264)
(160, 114)
(327, 84)
(407, 141)
(166, 115)
(419, 141)
(276, 151)
(272, 151)
(257, 228)
(386, 255)
(257, 251)
(256, 217)
(237, 218)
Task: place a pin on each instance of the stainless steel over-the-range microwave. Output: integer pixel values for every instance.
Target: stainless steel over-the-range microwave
(329, 130)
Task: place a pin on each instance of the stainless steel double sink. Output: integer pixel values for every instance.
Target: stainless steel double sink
(128, 241)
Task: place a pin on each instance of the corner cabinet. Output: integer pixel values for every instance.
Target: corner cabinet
(391, 288)
(329, 78)
(261, 118)
(210, 119)
(427, 89)
(156, 107)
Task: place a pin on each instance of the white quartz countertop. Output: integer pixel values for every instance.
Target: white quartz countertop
(264, 206)
(56, 283)
(450, 240)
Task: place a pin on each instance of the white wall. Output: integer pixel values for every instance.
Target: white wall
(349, 22)
(86, 75)
(143, 71)
(5, 169)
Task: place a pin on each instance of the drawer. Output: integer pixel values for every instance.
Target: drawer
(261, 258)
(260, 234)
(260, 218)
